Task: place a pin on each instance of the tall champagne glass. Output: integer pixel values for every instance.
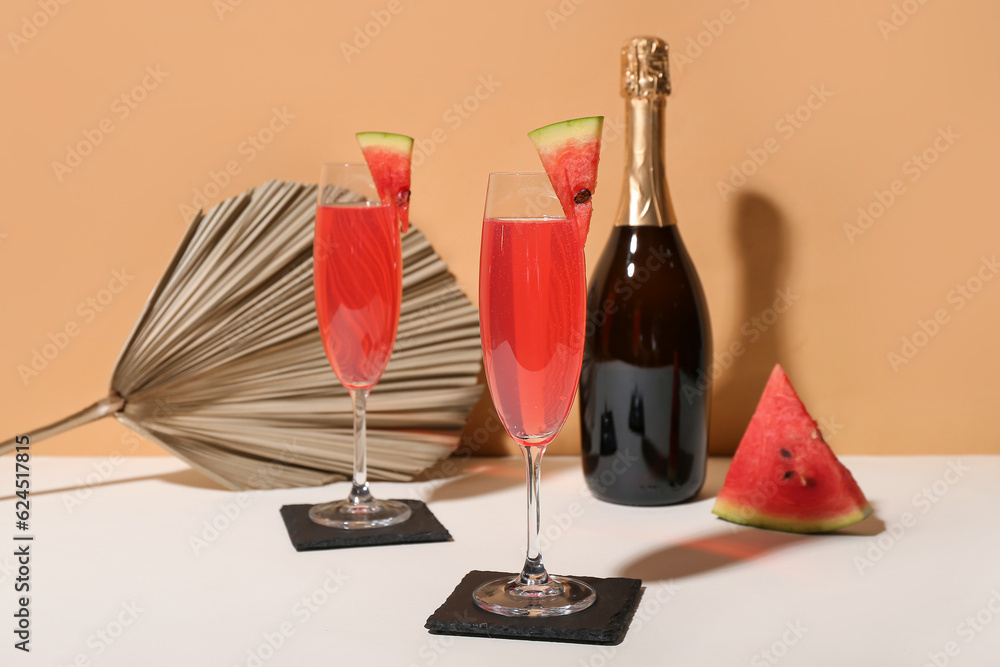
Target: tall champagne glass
(532, 285)
(358, 280)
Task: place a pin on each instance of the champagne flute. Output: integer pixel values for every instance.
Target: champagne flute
(532, 285)
(358, 280)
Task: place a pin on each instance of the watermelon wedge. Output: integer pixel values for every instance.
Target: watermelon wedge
(388, 157)
(784, 476)
(570, 151)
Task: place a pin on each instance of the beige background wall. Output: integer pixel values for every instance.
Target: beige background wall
(201, 78)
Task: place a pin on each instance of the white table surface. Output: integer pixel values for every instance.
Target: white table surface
(118, 580)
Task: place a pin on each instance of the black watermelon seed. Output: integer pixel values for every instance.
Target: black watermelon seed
(582, 196)
(785, 454)
(788, 474)
(403, 198)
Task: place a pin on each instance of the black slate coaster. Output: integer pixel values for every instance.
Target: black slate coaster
(422, 526)
(604, 622)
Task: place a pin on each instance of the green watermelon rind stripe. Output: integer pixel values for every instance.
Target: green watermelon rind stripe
(567, 130)
(733, 513)
(395, 142)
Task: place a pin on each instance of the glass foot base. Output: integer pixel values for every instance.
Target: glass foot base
(376, 514)
(560, 596)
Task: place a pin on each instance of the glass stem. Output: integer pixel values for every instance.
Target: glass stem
(359, 491)
(533, 573)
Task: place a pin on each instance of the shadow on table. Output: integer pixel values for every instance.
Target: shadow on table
(730, 546)
(190, 478)
(711, 552)
(479, 477)
(868, 528)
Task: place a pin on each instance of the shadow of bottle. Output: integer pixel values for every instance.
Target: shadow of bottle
(761, 237)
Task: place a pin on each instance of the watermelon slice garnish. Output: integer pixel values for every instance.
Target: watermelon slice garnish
(388, 157)
(570, 151)
(784, 476)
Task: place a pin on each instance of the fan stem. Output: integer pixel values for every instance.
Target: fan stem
(106, 406)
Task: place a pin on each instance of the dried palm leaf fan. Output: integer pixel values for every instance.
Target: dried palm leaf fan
(226, 370)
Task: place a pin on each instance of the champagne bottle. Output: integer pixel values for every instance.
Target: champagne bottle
(644, 414)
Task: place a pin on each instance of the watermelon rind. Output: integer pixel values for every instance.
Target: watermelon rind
(737, 514)
(560, 132)
(388, 140)
(570, 151)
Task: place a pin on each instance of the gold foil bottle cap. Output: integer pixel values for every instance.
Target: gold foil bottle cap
(645, 67)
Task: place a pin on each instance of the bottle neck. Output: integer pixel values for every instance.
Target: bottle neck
(645, 198)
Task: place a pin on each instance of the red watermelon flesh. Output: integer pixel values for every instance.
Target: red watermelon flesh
(784, 476)
(570, 151)
(388, 158)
